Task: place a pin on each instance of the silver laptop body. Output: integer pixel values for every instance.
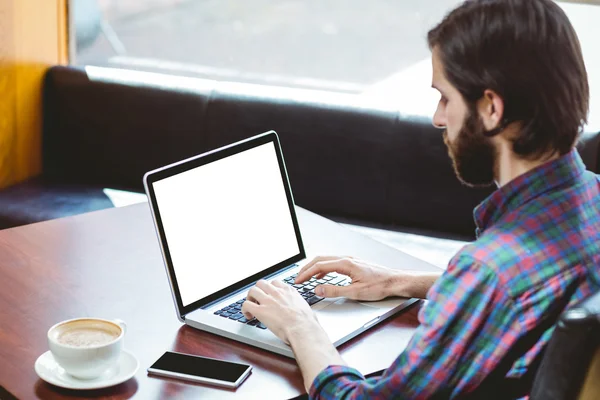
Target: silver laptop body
(226, 219)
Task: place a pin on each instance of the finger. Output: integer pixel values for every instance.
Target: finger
(256, 295)
(348, 259)
(335, 291)
(280, 284)
(283, 289)
(266, 287)
(314, 261)
(249, 309)
(342, 266)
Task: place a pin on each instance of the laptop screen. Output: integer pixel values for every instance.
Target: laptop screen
(226, 221)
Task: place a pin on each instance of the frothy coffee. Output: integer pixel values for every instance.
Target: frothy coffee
(87, 336)
(87, 347)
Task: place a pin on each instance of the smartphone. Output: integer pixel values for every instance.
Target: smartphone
(200, 369)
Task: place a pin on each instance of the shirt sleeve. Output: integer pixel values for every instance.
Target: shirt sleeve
(453, 349)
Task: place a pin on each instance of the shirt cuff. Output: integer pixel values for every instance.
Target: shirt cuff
(330, 374)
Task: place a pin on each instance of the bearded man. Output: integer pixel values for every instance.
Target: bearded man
(514, 97)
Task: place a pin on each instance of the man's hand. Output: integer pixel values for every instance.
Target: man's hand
(369, 282)
(281, 308)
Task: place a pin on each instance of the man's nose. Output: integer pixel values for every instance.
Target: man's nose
(438, 122)
(438, 118)
(438, 125)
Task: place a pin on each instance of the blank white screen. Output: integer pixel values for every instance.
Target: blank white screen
(225, 221)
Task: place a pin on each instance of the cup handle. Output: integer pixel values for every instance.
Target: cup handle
(122, 324)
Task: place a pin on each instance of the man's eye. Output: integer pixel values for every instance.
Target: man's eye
(443, 100)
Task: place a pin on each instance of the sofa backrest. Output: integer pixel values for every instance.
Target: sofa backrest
(347, 156)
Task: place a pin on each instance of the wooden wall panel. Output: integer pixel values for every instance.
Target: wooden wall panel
(7, 90)
(32, 37)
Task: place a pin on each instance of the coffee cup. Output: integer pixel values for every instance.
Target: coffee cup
(86, 347)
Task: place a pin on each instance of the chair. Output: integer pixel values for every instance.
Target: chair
(570, 368)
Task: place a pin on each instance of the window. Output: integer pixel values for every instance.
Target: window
(340, 45)
(584, 16)
(372, 48)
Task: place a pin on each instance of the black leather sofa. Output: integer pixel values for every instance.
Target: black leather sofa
(349, 158)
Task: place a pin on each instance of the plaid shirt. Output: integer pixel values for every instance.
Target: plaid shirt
(494, 308)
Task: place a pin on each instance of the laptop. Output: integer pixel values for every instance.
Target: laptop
(226, 219)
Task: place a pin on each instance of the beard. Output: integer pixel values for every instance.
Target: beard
(473, 155)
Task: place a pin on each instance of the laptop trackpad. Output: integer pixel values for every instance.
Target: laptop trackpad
(342, 317)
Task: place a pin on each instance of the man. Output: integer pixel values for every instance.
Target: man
(514, 96)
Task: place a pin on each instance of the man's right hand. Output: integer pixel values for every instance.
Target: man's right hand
(369, 282)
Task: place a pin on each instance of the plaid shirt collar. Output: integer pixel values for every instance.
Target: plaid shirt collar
(526, 187)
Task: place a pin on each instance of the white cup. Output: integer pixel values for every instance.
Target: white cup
(86, 347)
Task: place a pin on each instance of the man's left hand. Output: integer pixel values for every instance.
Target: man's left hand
(281, 308)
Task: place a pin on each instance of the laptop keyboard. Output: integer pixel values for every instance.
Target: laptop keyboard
(306, 290)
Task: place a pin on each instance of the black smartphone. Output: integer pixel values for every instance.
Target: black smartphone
(200, 369)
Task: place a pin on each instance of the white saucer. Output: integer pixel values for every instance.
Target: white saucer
(48, 369)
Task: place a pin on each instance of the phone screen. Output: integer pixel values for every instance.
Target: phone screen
(200, 366)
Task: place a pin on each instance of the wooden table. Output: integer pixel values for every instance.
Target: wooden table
(107, 264)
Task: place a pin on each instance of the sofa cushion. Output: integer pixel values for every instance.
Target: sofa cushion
(37, 200)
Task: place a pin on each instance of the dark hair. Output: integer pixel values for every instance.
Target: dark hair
(526, 51)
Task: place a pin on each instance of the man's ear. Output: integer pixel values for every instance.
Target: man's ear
(491, 109)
